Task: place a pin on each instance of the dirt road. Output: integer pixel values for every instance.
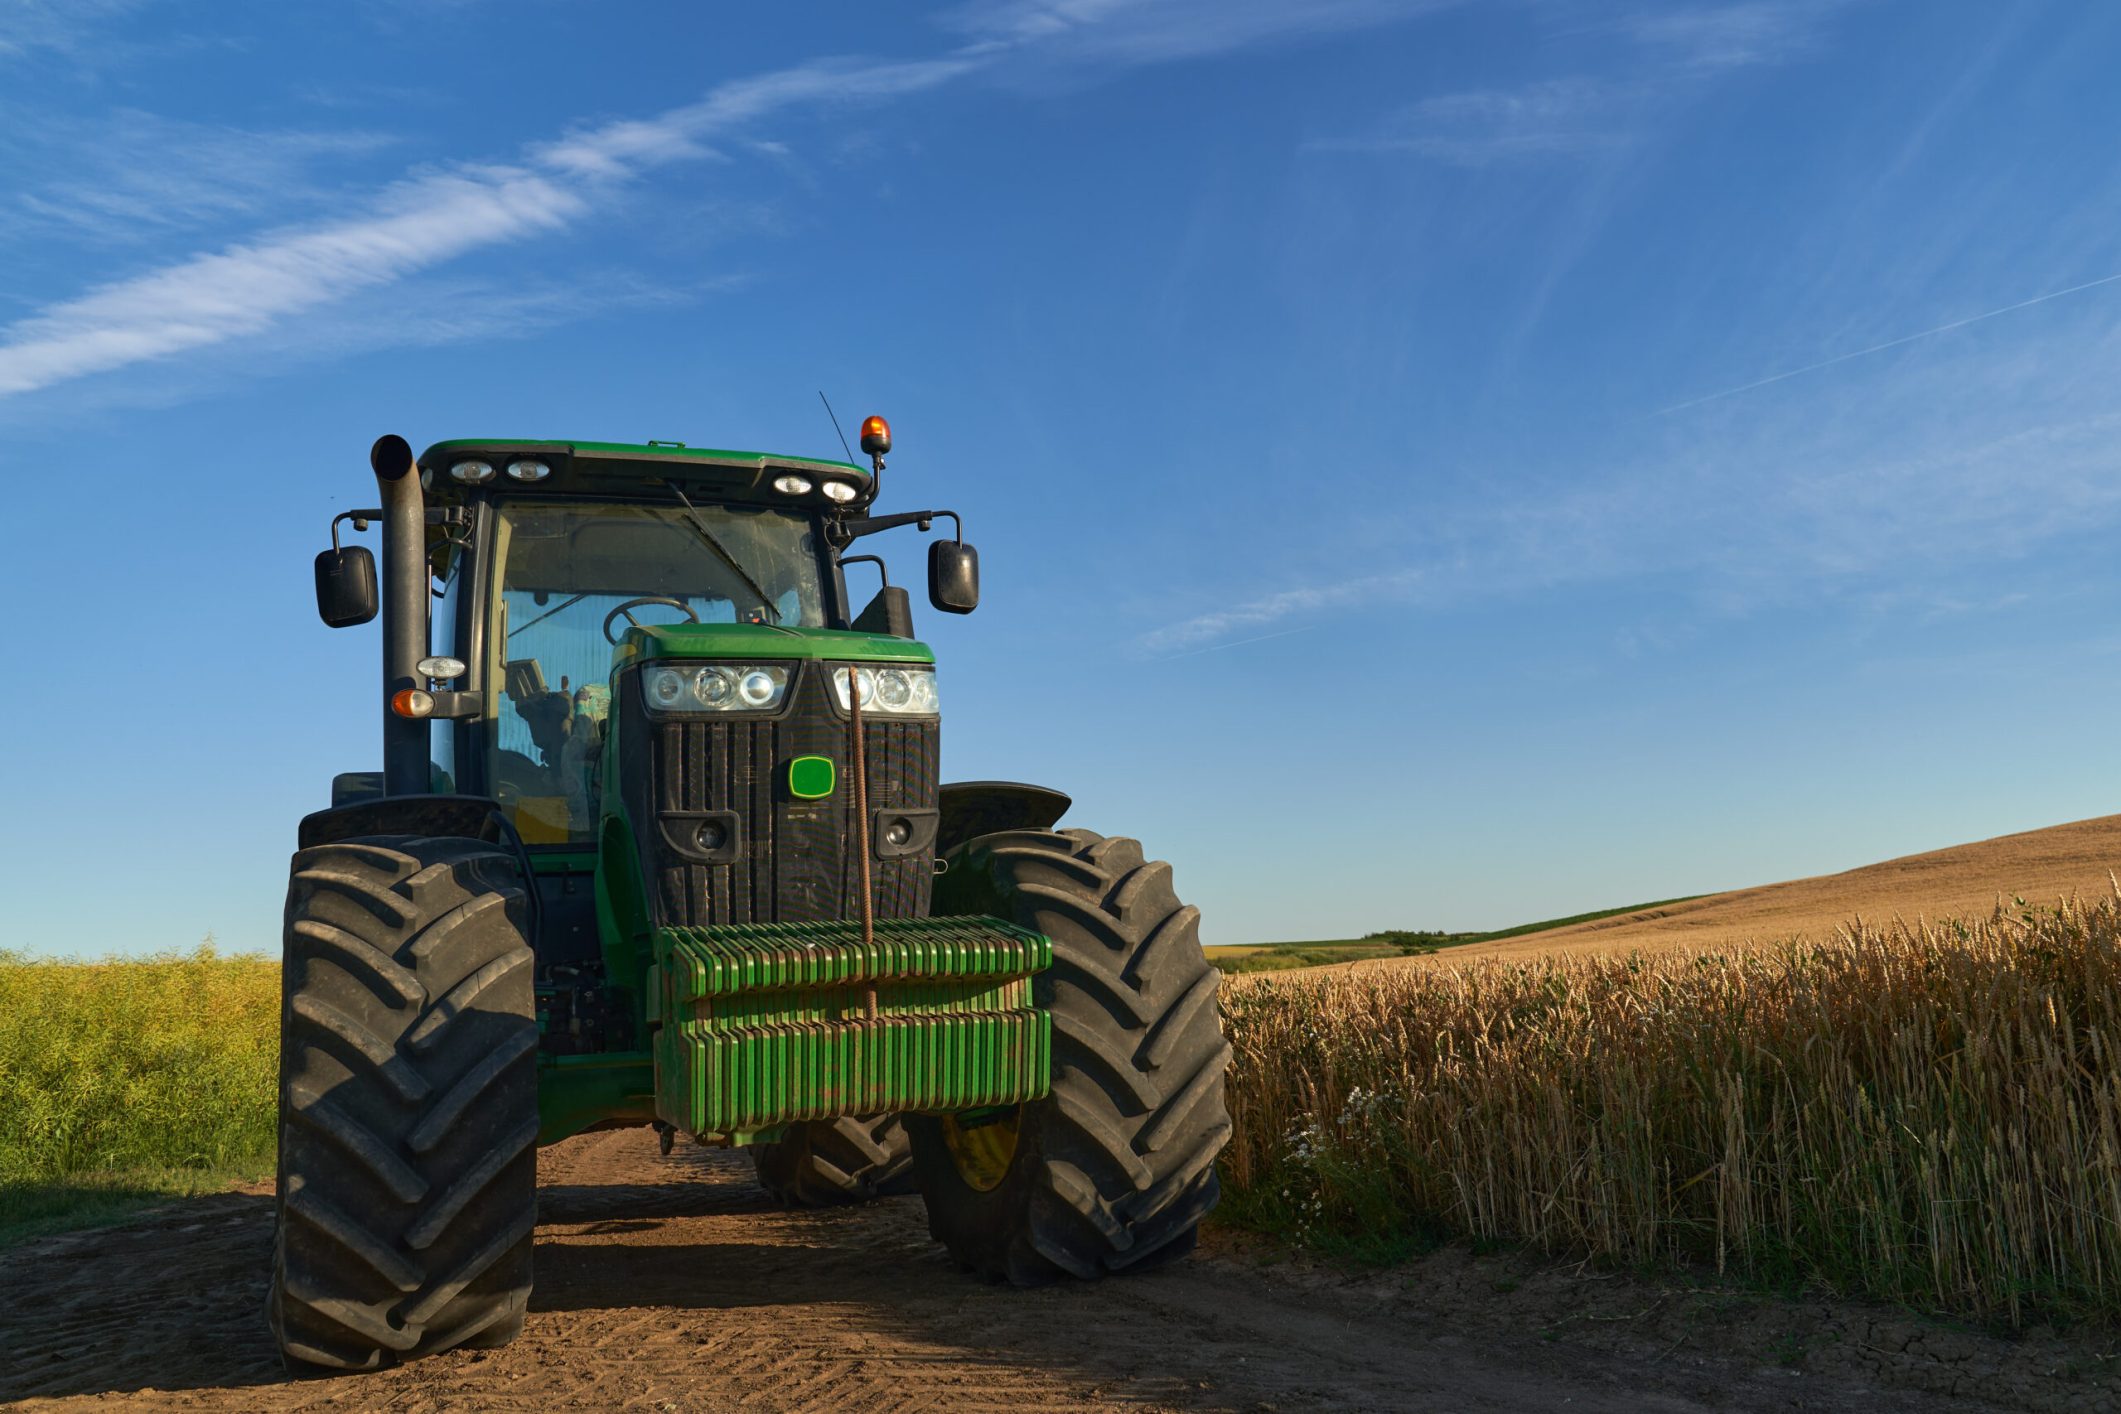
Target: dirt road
(671, 1284)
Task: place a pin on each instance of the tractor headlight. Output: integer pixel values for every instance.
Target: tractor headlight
(760, 688)
(715, 688)
(666, 689)
(896, 691)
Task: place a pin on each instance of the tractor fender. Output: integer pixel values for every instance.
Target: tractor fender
(466, 816)
(974, 808)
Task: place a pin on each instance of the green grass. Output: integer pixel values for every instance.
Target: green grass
(1282, 957)
(126, 1082)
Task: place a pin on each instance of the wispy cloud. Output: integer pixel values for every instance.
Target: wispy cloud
(1852, 354)
(62, 26)
(430, 218)
(1190, 633)
(128, 176)
(434, 310)
(415, 225)
(248, 288)
(1134, 32)
(1474, 129)
(1673, 55)
(1730, 36)
(1938, 482)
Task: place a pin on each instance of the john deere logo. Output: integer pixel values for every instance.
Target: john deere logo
(810, 777)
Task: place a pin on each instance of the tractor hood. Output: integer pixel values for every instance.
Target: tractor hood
(761, 641)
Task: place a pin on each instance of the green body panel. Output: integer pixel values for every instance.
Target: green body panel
(762, 1024)
(622, 912)
(578, 1092)
(745, 642)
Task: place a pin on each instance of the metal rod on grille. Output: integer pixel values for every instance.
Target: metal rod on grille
(861, 830)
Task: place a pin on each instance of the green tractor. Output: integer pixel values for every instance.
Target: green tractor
(660, 840)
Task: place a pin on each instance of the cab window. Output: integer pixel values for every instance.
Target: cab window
(573, 577)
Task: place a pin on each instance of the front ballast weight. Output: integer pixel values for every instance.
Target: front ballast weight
(765, 1024)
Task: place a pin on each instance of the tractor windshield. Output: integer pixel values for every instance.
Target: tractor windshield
(573, 576)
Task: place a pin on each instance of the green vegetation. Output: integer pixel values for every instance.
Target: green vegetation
(1928, 1117)
(127, 1081)
(1392, 942)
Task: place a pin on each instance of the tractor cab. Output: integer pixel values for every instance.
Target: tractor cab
(547, 579)
(544, 555)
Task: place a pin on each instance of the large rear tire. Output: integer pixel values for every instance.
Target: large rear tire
(408, 1103)
(826, 1162)
(1115, 1168)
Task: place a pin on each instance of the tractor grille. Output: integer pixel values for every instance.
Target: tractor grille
(796, 858)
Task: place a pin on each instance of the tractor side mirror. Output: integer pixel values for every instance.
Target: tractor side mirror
(346, 586)
(953, 576)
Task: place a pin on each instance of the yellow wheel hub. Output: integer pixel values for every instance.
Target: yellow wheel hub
(983, 1146)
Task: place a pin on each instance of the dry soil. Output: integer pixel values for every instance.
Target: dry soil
(671, 1283)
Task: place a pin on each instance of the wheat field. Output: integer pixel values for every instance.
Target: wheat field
(1930, 1116)
(1925, 1115)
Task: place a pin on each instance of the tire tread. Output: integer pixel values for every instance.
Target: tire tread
(408, 1111)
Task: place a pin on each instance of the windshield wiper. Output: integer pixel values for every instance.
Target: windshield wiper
(699, 523)
(568, 604)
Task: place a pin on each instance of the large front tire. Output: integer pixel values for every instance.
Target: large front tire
(408, 1103)
(1115, 1167)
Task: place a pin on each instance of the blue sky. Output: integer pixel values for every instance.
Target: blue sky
(1434, 465)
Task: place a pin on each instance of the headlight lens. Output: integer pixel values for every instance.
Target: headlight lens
(761, 687)
(894, 691)
(717, 688)
(666, 688)
(794, 485)
(714, 687)
(839, 491)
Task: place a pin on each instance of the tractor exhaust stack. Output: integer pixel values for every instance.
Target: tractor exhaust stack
(405, 739)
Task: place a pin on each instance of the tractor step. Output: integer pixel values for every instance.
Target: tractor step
(767, 1023)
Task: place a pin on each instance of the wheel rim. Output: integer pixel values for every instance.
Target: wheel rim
(982, 1145)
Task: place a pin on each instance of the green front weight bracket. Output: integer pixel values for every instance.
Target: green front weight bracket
(765, 1023)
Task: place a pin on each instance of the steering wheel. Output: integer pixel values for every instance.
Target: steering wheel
(625, 610)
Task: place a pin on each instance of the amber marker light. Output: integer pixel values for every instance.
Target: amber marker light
(412, 702)
(876, 436)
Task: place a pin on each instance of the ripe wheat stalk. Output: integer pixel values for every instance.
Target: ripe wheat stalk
(1929, 1115)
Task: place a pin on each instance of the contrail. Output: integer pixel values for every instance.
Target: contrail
(1239, 643)
(1888, 344)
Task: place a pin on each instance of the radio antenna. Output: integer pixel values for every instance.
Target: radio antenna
(835, 423)
(876, 478)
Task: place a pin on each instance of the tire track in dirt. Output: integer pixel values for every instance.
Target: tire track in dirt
(670, 1283)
